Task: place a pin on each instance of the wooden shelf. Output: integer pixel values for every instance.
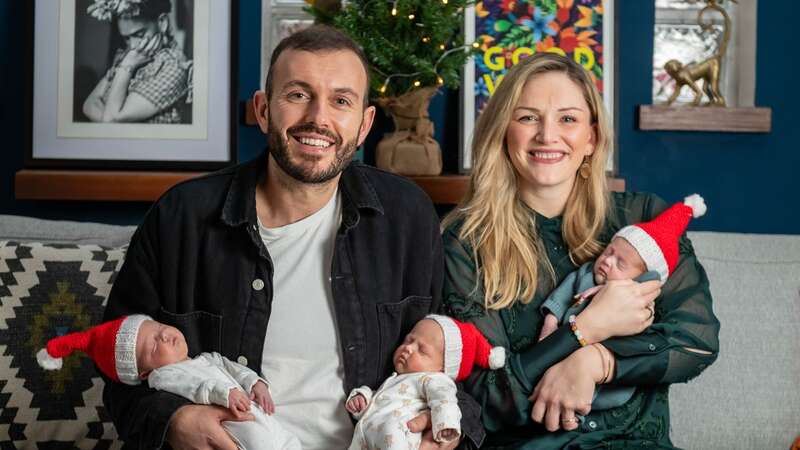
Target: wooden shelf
(705, 118)
(94, 185)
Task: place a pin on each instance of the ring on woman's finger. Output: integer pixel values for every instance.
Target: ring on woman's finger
(569, 420)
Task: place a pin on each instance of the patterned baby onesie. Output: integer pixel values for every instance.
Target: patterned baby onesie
(208, 379)
(382, 424)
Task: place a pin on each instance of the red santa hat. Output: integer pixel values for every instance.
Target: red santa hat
(465, 346)
(657, 240)
(112, 346)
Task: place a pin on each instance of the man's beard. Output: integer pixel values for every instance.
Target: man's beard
(279, 149)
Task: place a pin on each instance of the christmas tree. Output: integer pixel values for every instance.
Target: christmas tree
(409, 43)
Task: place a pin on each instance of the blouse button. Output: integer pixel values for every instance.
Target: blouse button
(242, 360)
(258, 284)
(592, 424)
(652, 347)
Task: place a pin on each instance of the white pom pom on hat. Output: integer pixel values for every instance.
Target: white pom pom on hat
(697, 204)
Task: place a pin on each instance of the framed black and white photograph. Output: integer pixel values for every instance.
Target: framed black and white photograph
(279, 19)
(506, 32)
(133, 84)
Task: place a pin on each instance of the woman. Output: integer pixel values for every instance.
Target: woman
(538, 206)
(150, 79)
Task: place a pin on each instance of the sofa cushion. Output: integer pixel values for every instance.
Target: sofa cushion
(29, 229)
(48, 290)
(749, 398)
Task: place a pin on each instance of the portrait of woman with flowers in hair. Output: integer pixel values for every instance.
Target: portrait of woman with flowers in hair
(148, 77)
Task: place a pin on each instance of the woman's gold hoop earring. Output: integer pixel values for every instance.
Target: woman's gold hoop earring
(585, 170)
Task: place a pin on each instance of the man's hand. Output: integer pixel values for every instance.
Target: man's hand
(422, 423)
(260, 394)
(238, 403)
(198, 427)
(356, 404)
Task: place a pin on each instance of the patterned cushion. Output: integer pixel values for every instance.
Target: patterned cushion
(47, 290)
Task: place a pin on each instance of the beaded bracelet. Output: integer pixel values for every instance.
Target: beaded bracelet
(574, 327)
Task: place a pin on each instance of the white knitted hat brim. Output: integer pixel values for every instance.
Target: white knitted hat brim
(125, 349)
(453, 347)
(647, 248)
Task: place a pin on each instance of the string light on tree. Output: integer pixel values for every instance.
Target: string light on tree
(410, 44)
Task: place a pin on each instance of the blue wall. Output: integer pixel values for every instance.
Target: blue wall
(746, 179)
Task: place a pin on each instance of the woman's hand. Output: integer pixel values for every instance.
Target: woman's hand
(142, 54)
(620, 308)
(567, 389)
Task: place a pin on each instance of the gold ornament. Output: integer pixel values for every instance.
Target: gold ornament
(708, 70)
(585, 170)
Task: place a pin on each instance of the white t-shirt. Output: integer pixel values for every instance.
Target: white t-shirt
(302, 355)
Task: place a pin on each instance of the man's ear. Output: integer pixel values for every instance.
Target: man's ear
(366, 123)
(261, 110)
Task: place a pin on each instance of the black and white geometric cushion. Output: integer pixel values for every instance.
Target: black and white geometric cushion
(47, 290)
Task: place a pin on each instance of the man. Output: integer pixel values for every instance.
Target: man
(298, 264)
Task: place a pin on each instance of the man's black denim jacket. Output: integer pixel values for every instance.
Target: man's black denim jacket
(196, 261)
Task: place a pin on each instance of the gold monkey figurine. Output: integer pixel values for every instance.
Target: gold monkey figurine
(708, 70)
(687, 75)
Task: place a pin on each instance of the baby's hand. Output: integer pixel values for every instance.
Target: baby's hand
(356, 404)
(550, 325)
(238, 403)
(260, 394)
(580, 298)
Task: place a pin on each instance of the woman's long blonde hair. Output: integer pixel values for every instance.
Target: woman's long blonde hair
(496, 223)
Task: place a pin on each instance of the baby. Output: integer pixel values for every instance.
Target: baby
(619, 261)
(437, 351)
(642, 252)
(136, 347)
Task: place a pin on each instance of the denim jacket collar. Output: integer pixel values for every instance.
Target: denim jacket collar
(240, 203)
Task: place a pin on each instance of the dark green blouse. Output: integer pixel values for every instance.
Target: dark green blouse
(650, 361)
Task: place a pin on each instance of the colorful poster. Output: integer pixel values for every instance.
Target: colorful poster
(506, 31)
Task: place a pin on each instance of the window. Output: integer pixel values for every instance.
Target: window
(679, 35)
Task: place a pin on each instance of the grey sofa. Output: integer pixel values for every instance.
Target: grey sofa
(55, 275)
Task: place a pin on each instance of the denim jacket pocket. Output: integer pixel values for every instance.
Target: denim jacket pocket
(395, 320)
(202, 329)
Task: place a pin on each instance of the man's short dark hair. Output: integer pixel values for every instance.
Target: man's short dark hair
(317, 38)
